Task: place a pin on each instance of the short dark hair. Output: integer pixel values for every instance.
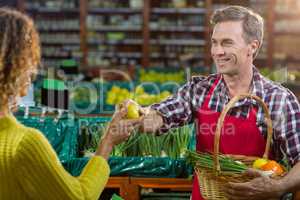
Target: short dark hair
(253, 23)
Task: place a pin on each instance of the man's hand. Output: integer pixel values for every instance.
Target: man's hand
(260, 188)
(151, 121)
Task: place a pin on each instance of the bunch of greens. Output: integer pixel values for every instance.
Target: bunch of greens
(172, 144)
(205, 160)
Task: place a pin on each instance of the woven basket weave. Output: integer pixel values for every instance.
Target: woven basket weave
(212, 181)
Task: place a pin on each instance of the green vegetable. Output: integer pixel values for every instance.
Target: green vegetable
(205, 160)
(172, 144)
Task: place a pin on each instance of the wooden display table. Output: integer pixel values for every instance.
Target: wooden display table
(130, 186)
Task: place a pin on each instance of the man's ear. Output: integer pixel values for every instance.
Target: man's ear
(254, 45)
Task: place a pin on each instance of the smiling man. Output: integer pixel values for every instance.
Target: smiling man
(236, 40)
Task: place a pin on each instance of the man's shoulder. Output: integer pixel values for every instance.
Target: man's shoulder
(277, 90)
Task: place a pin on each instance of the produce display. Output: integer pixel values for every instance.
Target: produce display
(161, 77)
(117, 94)
(83, 95)
(173, 144)
(281, 75)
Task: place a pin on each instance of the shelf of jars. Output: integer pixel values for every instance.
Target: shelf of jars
(177, 28)
(286, 33)
(59, 27)
(114, 32)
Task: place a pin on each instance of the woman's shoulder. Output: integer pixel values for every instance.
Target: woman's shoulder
(25, 130)
(28, 136)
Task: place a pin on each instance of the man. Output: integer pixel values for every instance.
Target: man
(236, 39)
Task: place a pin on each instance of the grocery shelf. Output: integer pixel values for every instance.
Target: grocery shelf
(52, 10)
(155, 19)
(60, 43)
(172, 55)
(59, 30)
(178, 29)
(121, 55)
(291, 33)
(117, 42)
(114, 10)
(179, 42)
(178, 11)
(279, 16)
(115, 28)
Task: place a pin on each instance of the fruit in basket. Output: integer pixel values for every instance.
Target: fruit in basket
(274, 167)
(258, 163)
(132, 111)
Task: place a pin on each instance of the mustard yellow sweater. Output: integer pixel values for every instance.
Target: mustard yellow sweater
(30, 169)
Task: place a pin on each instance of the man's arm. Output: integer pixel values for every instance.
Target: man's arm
(287, 135)
(175, 111)
(291, 182)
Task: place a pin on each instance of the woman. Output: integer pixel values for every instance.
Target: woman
(29, 167)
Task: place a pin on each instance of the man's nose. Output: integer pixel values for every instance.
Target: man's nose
(217, 50)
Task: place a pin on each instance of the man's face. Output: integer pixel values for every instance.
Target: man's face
(229, 49)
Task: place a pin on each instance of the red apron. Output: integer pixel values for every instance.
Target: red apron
(239, 135)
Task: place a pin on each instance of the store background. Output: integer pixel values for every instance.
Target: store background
(96, 53)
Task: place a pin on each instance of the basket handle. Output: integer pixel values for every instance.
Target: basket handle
(231, 103)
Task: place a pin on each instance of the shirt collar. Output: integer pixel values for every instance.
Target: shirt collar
(221, 93)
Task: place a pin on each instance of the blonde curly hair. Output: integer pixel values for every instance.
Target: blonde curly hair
(19, 55)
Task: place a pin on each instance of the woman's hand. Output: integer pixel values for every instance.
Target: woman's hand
(118, 131)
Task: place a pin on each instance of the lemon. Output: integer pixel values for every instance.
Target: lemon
(132, 111)
(257, 164)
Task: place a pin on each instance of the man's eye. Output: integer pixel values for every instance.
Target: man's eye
(227, 43)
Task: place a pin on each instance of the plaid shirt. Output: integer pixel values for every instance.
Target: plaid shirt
(284, 108)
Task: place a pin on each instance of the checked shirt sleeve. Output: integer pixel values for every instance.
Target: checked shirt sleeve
(287, 131)
(178, 109)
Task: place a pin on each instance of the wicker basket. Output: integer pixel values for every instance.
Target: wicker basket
(212, 181)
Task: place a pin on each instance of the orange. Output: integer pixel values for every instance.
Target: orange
(273, 166)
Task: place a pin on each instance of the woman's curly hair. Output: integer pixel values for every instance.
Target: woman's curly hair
(19, 55)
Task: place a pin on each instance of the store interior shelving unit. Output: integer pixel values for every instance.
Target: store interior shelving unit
(177, 31)
(286, 33)
(105, 34)
(59, 28)
(116, 33)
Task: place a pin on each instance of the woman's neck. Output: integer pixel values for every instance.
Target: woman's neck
(4, 112)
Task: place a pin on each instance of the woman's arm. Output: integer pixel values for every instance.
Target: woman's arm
(42, 176)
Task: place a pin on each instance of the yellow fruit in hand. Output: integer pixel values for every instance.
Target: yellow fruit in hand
(259, 163)
(132, 111)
